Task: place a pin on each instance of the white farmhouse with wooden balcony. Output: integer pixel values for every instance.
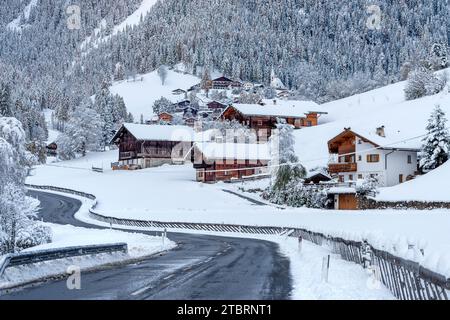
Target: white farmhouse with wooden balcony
(355, 156)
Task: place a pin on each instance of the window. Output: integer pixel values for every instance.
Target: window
(409, 159)
(400, 178)
(373, 158)
(360, 176)
(359, 141)
(359, 158)
(226, 173)
(259, 122)
(341, 178)
(350, 177)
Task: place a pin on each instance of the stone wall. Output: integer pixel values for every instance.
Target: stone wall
(367, 204)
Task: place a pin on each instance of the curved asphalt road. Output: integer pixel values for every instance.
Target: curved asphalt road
(202, 267)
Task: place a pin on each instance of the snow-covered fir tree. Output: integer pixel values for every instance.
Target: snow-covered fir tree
(436, 144)
(83, 133)
(368, 186)
(423, 82)
(285, 166)
(112, 112)
(162, 105)
(5, 101)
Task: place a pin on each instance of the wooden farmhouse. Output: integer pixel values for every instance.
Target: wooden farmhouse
(143, 146)
(215, 105)
(354, 156)
(229, 161)
(223, 83)
(263, 118)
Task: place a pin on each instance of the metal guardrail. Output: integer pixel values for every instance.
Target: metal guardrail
(24, 258)
(406, 279)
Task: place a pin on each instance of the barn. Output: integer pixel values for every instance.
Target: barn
(143, 146)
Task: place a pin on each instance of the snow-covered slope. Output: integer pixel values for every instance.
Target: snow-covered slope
(433, 186)
(16, 25)
(139, 96)
(129, 22)
(364, 113)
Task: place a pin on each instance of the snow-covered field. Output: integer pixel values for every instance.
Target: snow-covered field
(139, 96)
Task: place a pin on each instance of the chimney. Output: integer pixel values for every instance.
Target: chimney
(380, 132)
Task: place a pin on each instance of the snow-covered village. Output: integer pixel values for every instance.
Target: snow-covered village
(152, 150)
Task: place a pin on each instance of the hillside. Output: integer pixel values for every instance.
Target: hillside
(314, 46)
(139, 96)
(364, 113)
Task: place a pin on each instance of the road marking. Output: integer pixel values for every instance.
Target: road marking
(138, 292)
(169, 276)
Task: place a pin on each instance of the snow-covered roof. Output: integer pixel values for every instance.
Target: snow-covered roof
(160, 132)
(238, 151)
(281, 108)
(393, 138)
(341, 190)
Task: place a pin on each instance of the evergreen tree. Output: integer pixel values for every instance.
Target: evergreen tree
(83, 133)
(286, 166)
(435, 148)
(105, 107)
(162, 105)
(16, 208)
(5, 101)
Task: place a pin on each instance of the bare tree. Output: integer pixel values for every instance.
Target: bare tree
(162, 73)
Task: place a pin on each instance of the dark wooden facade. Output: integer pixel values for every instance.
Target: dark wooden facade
(223, 83)
(221, 170)
(265, 124)
(147, 153)
(215, 105)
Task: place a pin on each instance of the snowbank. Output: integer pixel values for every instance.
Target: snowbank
(346, 280)
(433, 186)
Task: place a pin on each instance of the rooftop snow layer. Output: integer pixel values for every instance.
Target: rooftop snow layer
(240, 151)
(282, 108)
(160, 132)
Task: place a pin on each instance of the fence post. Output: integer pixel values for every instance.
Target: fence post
(325, 268)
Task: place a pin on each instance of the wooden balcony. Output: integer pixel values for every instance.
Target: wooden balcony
(342, 167)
